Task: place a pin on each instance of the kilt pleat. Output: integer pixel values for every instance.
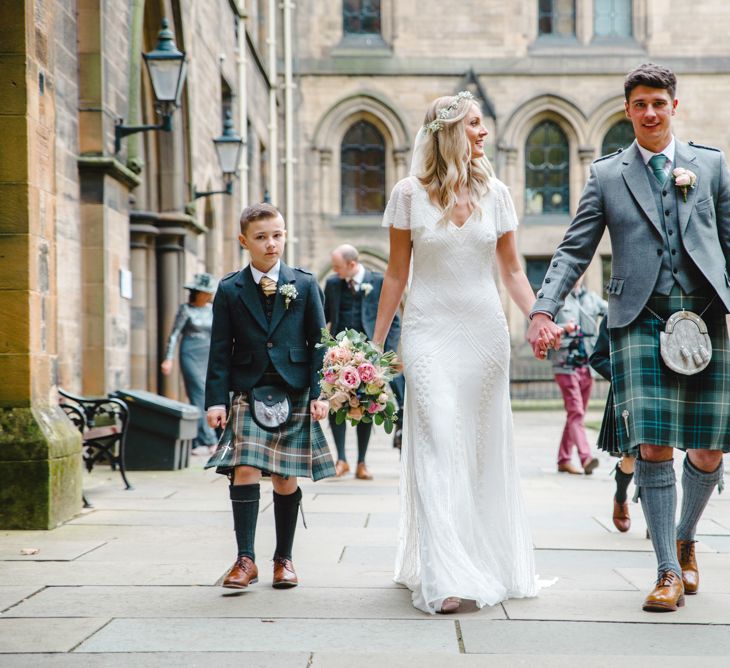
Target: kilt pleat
(298, 449)
(654, 405)
(607, 439)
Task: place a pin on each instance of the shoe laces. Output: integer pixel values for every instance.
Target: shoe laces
(245, 563)
(666, 579)
(283, 561)
(686, 550)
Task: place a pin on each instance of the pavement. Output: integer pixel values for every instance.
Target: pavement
(135, 580)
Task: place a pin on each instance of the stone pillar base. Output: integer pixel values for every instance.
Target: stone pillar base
(40, 468)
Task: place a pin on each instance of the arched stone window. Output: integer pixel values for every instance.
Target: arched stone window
(361, 17)
(362, 169)
(547, 170)
(620, 135)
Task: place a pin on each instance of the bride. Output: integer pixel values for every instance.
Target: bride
(463, 529)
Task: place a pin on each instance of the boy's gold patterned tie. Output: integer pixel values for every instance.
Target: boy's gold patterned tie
(268, 286)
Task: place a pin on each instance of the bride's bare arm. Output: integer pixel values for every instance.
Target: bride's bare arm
(394, 282)
(512, 275)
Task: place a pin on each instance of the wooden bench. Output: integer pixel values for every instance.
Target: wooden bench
(102, 422)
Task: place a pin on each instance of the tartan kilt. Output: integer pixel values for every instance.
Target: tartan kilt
(607, 439)
(657, 406)
(298, 449)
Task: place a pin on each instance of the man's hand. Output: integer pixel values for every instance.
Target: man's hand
(216, 417)
(542, 334)
(319, 409)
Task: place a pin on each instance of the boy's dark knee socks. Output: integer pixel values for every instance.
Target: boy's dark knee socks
(245, 505)
(286, 509)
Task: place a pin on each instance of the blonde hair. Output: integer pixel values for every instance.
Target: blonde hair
(448, 165)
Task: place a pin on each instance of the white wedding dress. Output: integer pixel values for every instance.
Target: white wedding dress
(463, 527)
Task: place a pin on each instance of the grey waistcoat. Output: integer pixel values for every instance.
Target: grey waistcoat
(676, 264)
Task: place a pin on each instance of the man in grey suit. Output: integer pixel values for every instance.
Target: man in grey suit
(666, 205)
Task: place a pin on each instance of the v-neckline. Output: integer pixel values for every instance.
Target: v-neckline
(464, 224)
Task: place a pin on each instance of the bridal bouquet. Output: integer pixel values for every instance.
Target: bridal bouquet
(355, 379)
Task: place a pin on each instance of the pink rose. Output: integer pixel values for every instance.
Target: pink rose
(349, 378)
(383, 398)
(374, 408)
(367, 372)
(682, 180)
(343, 356)
(330, 375)
(358, 357)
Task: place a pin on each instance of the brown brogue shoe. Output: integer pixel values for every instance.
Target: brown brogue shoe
(589, 465)
(362, 473)
(242, 574)
(567, 467)
(285, 576)
(667, 595)
(621, 518)
(341, 467)
(688, 562)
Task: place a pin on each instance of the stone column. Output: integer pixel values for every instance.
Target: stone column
(40, 451)
(400, 156)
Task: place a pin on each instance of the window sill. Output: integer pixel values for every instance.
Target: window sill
(357, 46)
(356, 221)
(547, 219)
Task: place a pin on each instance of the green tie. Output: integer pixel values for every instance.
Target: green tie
(657, 162)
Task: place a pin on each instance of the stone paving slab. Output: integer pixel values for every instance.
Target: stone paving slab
(216, 635)
(612, 606)
(45, 635)
(598, 539)
(375, 557)
(417, 660)
(566, 638)
(354, 503)
(161, 660)
(76, 573)
(10, 595)
(712, 580)
(48, 545)
(157, 518)
(382, 520)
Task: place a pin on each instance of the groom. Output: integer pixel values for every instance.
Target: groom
(351, 302)
(671, 246)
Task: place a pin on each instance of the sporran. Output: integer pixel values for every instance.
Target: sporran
(270, 407)
(685, 345)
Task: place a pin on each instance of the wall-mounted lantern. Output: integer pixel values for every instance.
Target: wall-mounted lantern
(228, 147)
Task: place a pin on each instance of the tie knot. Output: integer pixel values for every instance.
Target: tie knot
(268, 286)
(351, 285)
(657, 163)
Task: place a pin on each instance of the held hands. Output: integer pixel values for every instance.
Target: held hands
(542, 334)
(216, 417)
(319, 408)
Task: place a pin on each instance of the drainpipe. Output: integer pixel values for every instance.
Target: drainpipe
(273, 121)
(289, 134)
(242, 64)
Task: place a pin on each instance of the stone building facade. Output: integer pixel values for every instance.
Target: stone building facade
(549, 76)
(96, 241)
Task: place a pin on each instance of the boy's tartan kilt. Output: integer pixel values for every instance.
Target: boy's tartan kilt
(607, 436)
(659, 406)
(298, 449)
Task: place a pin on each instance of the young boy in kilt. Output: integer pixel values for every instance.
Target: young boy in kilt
(666, 205)
(267, 320)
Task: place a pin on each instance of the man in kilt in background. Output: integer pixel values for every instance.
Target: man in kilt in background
(666, 205)
(267, 321)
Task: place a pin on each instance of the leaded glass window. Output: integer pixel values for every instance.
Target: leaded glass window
(362, 164)
(556, 17)
(612, 18)
(361, 17)
(547, 170)
(619, 136)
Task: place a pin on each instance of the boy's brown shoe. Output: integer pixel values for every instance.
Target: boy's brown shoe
(242, 574)
(667, 595)
(688, 562)
(285, 576)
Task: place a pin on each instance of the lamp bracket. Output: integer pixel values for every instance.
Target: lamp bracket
(121, 130)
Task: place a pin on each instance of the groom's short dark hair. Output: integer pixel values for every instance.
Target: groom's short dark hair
(653, 76)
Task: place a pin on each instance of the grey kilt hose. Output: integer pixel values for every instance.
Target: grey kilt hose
(654, 405)
(299, 449)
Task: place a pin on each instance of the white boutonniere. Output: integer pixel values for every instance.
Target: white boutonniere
(366, 288)
(684, 179)
(289, 292)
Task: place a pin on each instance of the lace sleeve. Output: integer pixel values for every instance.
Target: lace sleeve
(398, 212)
(505, 214)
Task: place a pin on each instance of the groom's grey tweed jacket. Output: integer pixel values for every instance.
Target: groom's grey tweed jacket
(618, 196)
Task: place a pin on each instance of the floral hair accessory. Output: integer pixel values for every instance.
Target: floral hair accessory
(435, 125)
(684, 179)
(289, 292)
(366, 288)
